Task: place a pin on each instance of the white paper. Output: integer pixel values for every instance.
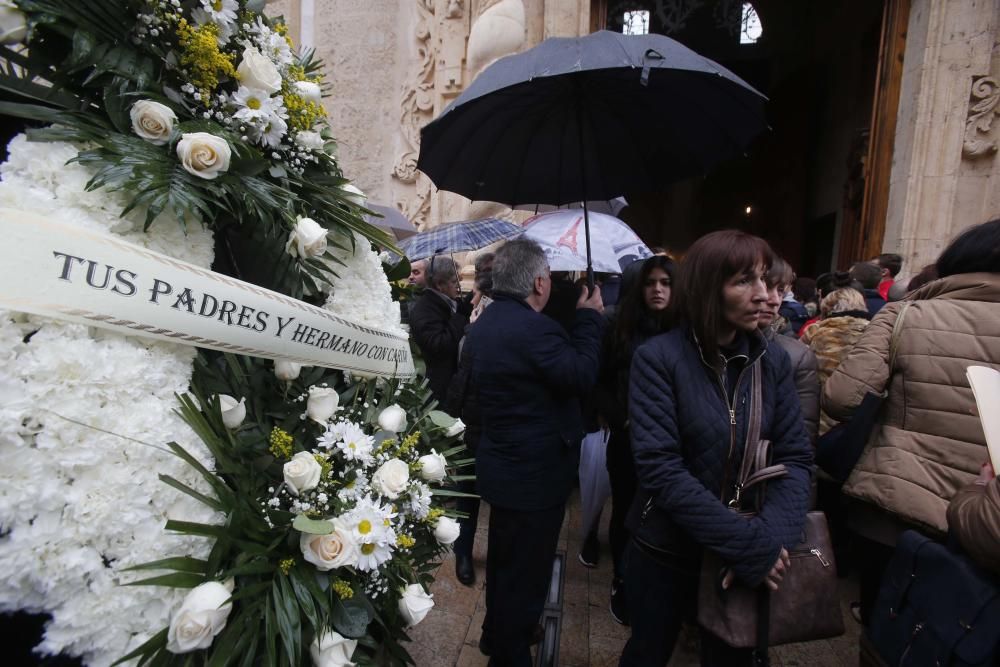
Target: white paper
(985, 383)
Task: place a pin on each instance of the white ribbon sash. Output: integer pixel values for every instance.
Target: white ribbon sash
(67, 273)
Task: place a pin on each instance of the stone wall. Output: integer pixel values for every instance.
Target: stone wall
(946, 173)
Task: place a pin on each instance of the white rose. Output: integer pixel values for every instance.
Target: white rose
(355, 194)
(457, 428)
(257, 71)
(309, 91)
(415, 604)
(328, 552)
(432, 466)
(203, 155)
(307, 239)
(322, 403)
(446, 530)
(13, 24)
(152, 121)
(391, 478)
(302, 473)
(287, 371)
(233, 412)
(201, 617)
(332, 650)
(392, 419)
(310, 140)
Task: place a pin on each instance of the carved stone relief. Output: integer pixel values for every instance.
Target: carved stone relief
(982, 108)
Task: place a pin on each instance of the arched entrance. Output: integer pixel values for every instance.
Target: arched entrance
(816, 184)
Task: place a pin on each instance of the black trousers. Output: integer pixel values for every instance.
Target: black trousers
(467, 536)
(660, 599)
(621, 474)
(522, 545)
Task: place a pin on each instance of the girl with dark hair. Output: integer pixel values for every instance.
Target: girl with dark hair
(690, 403)
(926, 445)
(641, 315)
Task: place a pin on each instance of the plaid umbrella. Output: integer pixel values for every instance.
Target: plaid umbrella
(458, 237)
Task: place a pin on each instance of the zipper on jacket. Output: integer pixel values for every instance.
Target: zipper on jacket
(815, 552)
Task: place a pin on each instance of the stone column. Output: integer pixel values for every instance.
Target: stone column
(946, 173)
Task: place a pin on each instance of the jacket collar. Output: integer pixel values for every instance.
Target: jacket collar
(510, 298)
(756, 340)
(860, 314)
(963, 286)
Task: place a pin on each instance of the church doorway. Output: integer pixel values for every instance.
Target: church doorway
(815, 185)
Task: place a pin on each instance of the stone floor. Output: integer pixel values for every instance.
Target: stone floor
(589, 637)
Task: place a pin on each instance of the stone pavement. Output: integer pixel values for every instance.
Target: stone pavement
(589, 637)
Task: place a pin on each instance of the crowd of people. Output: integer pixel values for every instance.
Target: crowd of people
(687, 359)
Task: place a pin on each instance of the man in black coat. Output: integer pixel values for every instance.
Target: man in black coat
(530, 374)
(437, 322)
(869, 275)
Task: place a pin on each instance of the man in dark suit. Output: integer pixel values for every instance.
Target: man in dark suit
(529, 373)
(437, 322)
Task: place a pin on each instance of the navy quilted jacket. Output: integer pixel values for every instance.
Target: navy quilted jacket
(681, 437)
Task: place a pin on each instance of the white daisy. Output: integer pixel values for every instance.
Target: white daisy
(255, 106)
(419, 503)
(217, 11)
(272, 132)
(373, 554)
(355, 444)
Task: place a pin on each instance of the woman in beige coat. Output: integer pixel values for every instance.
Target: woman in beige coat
(928, 442)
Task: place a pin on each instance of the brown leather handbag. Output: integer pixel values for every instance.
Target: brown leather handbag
(806, 606)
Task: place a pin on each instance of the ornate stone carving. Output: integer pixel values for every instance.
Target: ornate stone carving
(982, 107)
(417, 109)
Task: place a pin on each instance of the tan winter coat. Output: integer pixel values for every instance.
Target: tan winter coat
(974, 520)
(929, 442)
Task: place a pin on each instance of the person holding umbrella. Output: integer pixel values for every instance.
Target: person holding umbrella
(529, 375)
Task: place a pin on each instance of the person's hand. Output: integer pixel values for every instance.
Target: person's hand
(986, 474)
(591, 300)
(773, 578)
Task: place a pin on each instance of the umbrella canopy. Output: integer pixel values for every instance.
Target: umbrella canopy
(561, 235)
(459, 237)
(592, 117)
(391, 220)
(608, 206)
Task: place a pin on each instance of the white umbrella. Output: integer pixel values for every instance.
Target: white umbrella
(563, 238)
(608, 206)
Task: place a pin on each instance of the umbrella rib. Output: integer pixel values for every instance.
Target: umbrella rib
(540, 118)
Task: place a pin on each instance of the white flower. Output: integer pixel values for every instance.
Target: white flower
(309, 91)
(392, 419)
(152, 121)
(307, 239)
(255, 105)
(219, 12)
(433, 466)
(391, 478)
(202, 616)
(310, 140)
(446, 530)
(286, 371)
(13, 24)
(233, 412)
(332, 650)
(414, 604)
(373, 554)
(361, 291)
(302, 472)
(457, 428)
(322, 403)
(354, 194)
(257, 71)
(203, 155)
(355, 443)
(276, 47)
(328, 552)
(420, 500)
(272, 132)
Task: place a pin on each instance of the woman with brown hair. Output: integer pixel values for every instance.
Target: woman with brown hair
(689, 407)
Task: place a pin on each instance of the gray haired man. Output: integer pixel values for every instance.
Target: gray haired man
(529, 374)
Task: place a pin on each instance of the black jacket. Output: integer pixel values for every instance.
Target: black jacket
(529, 375)
(680, 423)
(437, 331)
(874, 301)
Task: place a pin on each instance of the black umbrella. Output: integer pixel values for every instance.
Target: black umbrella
(577, 119)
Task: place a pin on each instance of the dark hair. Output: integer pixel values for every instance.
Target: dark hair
(976, 250)
(891, 261)
(866, 273)
(633, 308)
(804, 289)
(926, 275)
(710, 262)
(780, 273)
